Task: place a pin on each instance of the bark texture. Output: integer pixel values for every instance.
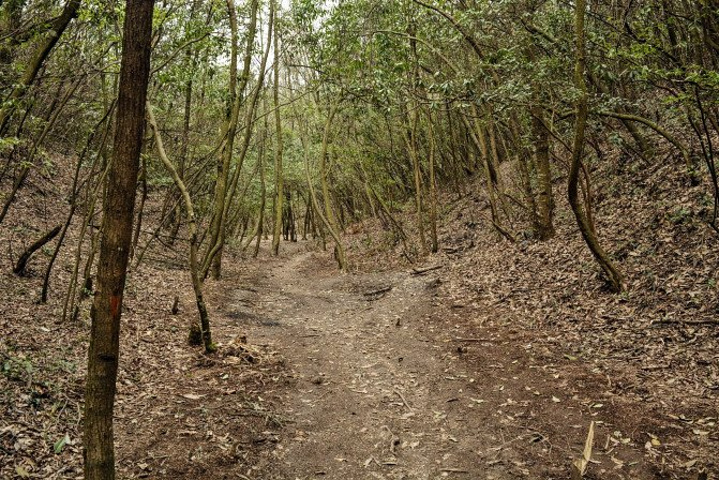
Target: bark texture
(118, 210)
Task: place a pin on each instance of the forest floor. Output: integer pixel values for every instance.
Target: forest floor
(342, 376)
(492, 365)
(390, 381)
(386, 386)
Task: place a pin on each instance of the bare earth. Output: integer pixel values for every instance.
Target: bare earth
(386, 385)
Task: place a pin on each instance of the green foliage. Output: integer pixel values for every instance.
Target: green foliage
(486, 63)
(7, 144)
(17, 368)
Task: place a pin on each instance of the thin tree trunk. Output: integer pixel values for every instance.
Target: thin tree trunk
(523, 166)
(235, 218)
(410, 138)
(141, 207)
(331, 222)
(480, 142)
(583, 219)
(43, 50)
(223, 168)
(432, 189)
(249, 123)
(69, 304)
(74, 192)
(545, 197)
(21, 264)
(213, 257)
(204, 323)
(279, 142)
(339, 252)
(263, 192)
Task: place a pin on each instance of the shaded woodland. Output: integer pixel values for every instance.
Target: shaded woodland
(549, 164)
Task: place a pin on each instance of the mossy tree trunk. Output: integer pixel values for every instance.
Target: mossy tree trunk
(545, 198)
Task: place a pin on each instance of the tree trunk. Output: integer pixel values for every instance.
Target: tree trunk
(213, 257)
(223, 167)
(339, 250)
(279, 177)
(118, 211)
(478, 138)
(411, 141)
(141, 207)
(329, 217)
(204, 324)
(263, 194)
(583, 219)
(432, 189)
(91, 199)
(74, 192)
(545, 198)
(524, 166)
(250, 113)
(25, 257)
(56, 30)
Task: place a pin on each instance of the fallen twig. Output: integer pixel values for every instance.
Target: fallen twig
(399, 394)
(422, 271)
(394, 441)
(379, 291)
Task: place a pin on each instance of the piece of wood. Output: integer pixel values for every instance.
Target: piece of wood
(404, 400)
(176, 305)
(25, 257)
(423, 270)
(379, 291)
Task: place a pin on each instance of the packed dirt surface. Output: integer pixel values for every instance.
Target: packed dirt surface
(389, 382)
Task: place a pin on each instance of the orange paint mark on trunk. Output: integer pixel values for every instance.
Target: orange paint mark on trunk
(115, 302)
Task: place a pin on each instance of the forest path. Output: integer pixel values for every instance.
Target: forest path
(378, 392)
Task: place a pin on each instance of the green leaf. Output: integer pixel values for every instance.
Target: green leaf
(60, 444)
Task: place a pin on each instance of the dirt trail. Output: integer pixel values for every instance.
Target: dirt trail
(372, 399)
(382, 389)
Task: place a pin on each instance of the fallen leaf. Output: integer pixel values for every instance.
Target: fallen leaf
(192, 396)
(21, 472)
